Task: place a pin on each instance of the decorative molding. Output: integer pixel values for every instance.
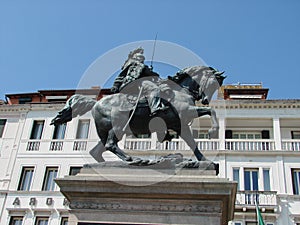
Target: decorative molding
(176, 207)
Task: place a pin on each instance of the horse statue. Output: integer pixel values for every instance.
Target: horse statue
(114, 116)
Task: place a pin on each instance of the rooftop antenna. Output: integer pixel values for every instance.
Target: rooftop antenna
(154, 44)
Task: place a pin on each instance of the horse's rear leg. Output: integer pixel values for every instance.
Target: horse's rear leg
(97, 152)
(112, 145)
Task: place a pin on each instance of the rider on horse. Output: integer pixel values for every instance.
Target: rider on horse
(133, 70)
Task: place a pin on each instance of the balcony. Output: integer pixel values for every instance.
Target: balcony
(291, 145)
(249, 198)
(79, 145)
(174, 145)
(62, 146)
(33, 145)
(137, 144)
(143, 144)
(56, 145)
(249, 145)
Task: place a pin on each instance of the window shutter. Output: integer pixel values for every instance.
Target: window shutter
(228, 134)
(265, 134)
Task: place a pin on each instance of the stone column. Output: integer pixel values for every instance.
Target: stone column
(277, 133)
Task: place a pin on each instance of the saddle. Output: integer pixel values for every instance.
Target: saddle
(129, 102)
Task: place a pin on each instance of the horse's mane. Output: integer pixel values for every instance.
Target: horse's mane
(193, 70)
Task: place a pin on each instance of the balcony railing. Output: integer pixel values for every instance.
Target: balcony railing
(174, 145)
(62, 146)
(79, 145)
(137, 144)
(290, 145)
(249, 145)
(56, 145)
(33, 145)
(263, 198)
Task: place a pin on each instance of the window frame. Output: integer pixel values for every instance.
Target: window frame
(74, 167)
(266, 182)
(251, 181)
(236, 178)
(23, 176)
(50, 185)
(79, 127)
(12, 220)
(64, 220)
(295, 134)
(59, 131)
(36, 133)
(296, 183)
(2, 126)
(239, 134)
(41, 218)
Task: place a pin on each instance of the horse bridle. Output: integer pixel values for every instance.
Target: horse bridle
(202, 87)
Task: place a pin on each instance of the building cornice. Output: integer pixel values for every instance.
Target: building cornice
(31, 107)
(256, 104)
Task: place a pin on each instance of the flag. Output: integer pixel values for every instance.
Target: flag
(259, 217)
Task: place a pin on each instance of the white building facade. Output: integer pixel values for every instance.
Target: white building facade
(259, 147)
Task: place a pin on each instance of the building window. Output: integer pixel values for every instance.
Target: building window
(295, 134)
(37, 129)
(2, 125)
(251, 179)
(26, 178)
(246, 135)
(74, 170)
(50, 175)
(41, 221)
(203, 135)
(25, 100)
(251, 223)
(251, 184)
(143, 136)
(266, 176)
(296, 181)
(59, 131)
(16, 220)
(236, 176)
(64, 221)
(83, 129)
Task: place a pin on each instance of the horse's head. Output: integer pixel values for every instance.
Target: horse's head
(209, 80)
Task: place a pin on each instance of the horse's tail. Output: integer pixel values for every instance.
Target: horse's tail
(76, 105)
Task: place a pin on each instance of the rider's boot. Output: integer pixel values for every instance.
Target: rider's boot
(156, 105)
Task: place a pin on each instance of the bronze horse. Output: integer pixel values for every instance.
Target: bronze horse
(111, 113)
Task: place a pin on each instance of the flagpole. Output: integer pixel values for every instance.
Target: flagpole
(256, 206)
(259, 217)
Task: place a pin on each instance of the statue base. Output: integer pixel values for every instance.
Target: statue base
(118, 193)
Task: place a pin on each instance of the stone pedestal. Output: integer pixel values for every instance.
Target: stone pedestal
(110, 194)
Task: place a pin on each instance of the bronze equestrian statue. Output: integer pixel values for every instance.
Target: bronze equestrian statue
(171, 100)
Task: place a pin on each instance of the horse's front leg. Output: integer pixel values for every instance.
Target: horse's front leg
(187, 136)
(213, 132)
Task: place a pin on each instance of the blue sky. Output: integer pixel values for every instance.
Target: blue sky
(50, 44)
